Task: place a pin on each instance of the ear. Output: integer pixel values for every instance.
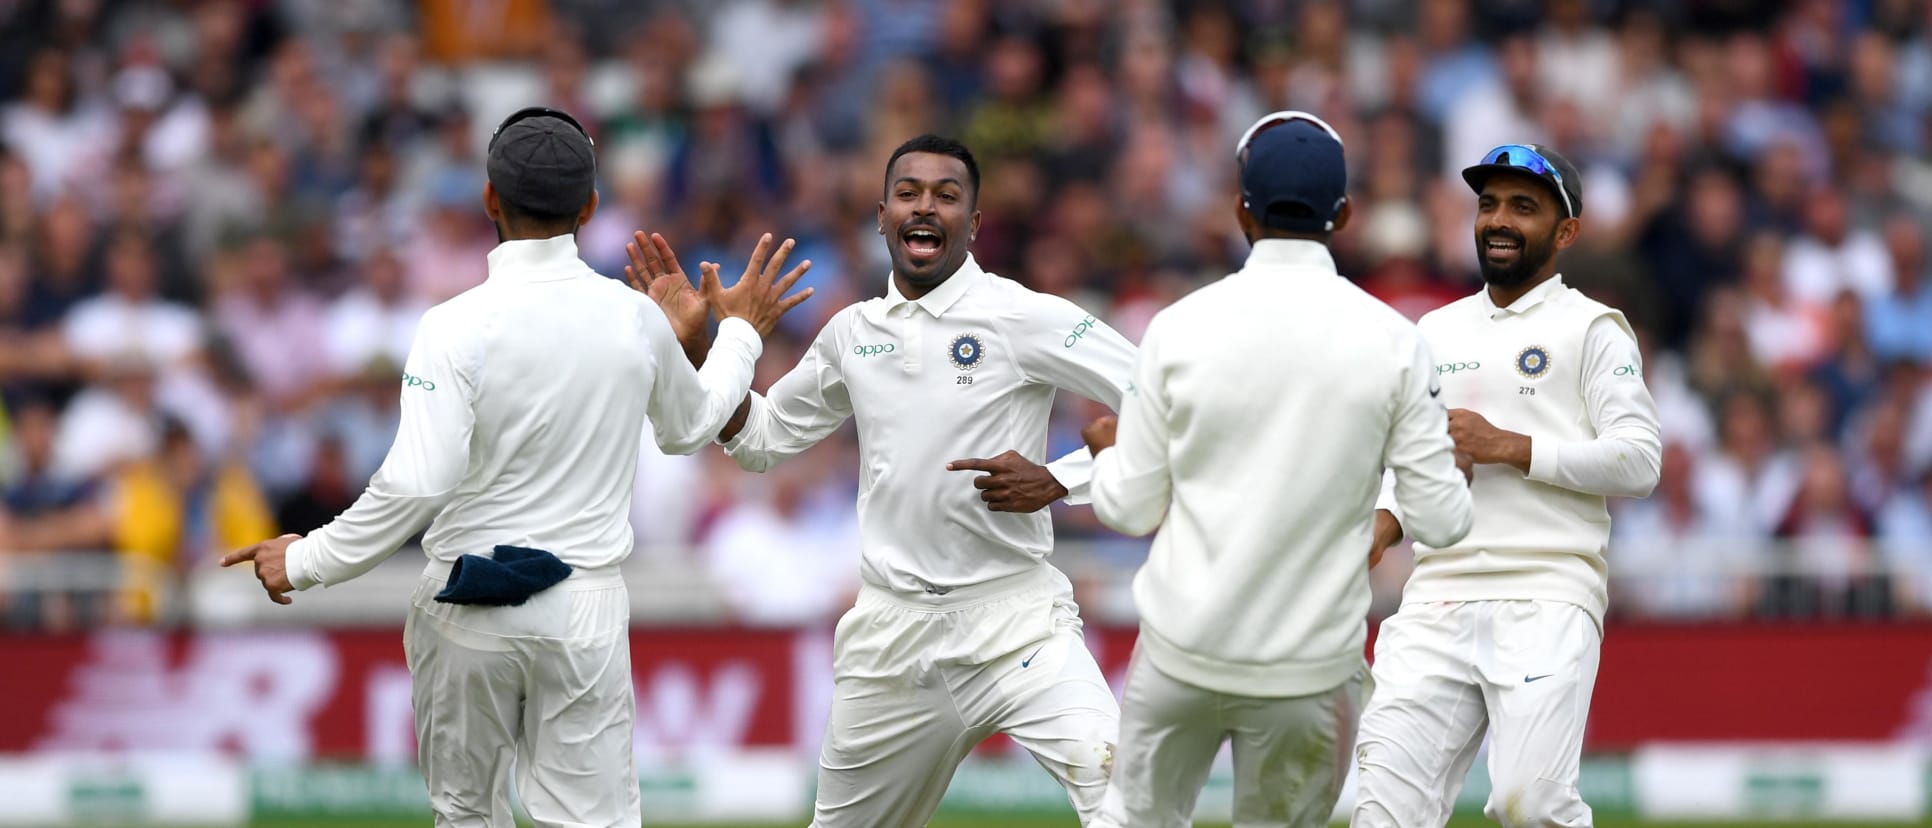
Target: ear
(973, 231)
(492, 206)
(1244, 218)
(881, 218)
(1343, 215)
(1567, 232)
(590, 209)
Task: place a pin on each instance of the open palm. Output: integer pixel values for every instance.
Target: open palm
(655, 272)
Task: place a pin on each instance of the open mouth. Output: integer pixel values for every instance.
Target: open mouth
(1501, 248)
(922, 242)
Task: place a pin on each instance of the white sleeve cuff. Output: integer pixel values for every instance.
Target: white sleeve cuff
(1386, 500)
(1543, 459)
(295, 563)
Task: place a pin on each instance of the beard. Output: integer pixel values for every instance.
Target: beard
(1530, 258)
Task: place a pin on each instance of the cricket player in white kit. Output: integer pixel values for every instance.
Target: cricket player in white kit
(1264, 410)
(962, 629)
(522, 407)
(1502, 630)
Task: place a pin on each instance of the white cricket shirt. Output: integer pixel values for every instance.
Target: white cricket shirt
(1565, 370)
(967, 370)
(1264, 409)
(522, 403)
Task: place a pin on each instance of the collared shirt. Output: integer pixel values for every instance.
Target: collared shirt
(522, 402)
(1565, 370)
(1264, 409)
(966, 370)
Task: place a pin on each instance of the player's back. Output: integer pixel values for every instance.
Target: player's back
(1280, 384)
(561, 371)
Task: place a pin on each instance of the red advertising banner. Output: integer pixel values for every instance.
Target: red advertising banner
(298, 694)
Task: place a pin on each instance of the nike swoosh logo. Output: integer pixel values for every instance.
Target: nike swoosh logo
(1528, 678)
(1029, 659)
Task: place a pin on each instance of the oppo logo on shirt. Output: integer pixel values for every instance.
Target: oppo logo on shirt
(1079, 331)
(1625, 371)
(874, 350)
(414, 381)
(1457, 367)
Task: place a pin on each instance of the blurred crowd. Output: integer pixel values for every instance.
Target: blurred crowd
(221, 219)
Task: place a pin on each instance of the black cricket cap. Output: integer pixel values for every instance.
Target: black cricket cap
(1293, 158)
(541, 161)
(1536, 161)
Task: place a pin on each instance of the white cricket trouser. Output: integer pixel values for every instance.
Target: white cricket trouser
(1290, 754)
(920, 682)
(545, 687)
(1444, 671)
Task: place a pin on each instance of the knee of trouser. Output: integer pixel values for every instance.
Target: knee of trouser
(1093, 764)
(1539, 803)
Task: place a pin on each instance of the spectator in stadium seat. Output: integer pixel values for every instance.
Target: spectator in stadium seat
(1905, 541)
(59, 272)
(1695, 245)
(1786, 333)
(1830, 568)
(1675, 558)
(782, 551)
(1832, 256)
(175, 510)
(53, 127)
(1878, 467)
(1850, 374)
(376, 213)
(275, 327)
(131, 317)
(44, 511)
(375, 320)
(1750, 481)
(1899, 323)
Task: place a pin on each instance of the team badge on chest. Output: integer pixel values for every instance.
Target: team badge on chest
(966, 352)
(1533, 362)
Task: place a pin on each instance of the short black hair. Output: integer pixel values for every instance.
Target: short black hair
(525, 220)
(937, 145)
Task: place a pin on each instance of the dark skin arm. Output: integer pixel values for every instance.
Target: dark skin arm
(1012, 483)
(271, 568)
(1485, 444)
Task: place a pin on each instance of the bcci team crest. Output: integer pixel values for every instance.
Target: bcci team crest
(1533, 362)
(966, 352)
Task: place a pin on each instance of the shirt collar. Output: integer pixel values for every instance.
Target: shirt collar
(536, 260)
(935, 301)
(1291, 253)
(1526, 301)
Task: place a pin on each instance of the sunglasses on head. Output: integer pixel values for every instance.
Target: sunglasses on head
(1275, 119)
(1527, 159)
(529, 112)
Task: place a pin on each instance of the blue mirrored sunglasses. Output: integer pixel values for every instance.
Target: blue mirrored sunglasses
(1526, 158)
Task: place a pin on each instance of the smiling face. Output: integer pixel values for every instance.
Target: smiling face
(928, 218)
(1519, 228)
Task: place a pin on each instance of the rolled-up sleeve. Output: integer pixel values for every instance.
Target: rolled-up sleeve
(1626, 456)
(1133, 481)
(1068, 348)
(425, 465)
(1423, 488)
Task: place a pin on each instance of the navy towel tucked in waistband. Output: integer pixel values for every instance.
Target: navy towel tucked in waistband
(507, 581)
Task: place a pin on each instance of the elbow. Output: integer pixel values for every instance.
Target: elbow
(1447, 527)
(1130, 519)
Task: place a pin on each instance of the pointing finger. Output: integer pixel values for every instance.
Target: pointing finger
(972, 464)
(240, 555)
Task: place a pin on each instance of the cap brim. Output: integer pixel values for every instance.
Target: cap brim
(1480, 174)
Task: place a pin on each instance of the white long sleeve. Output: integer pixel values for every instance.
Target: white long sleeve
(1133, 481)
(1626, 457)
(1421, 460)
(803, 407)
(1072, 350)
(521, 409)
(418, 478)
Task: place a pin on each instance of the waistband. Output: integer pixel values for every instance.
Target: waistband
(601, 577)
(961, 597)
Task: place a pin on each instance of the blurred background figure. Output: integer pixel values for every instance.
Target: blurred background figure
(226, 217)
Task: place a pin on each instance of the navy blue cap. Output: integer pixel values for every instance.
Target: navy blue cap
(1293, 174)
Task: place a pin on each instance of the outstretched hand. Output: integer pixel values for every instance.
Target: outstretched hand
(1012, 483)
(654, 271)
(270, 557)
(759, 296)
